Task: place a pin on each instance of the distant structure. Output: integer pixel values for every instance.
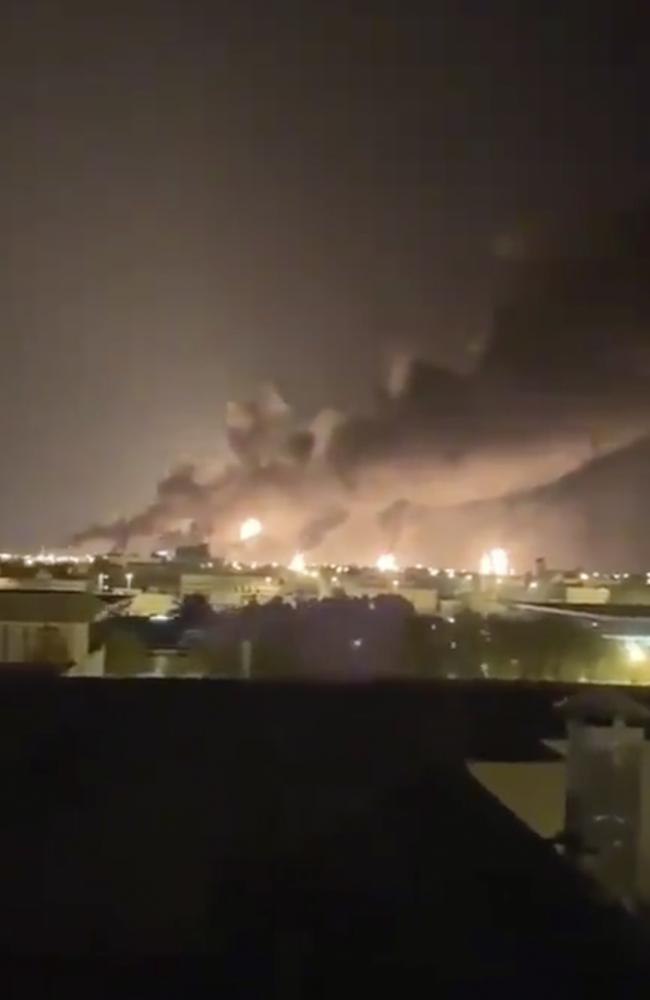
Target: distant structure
(231, 590)
(192, 553)
(372, 583)
(541, 571)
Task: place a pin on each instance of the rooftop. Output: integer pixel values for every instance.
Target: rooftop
(329, 835)
(49, 606)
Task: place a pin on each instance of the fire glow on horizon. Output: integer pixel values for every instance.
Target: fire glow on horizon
(297, 564)
(495, 562)
(249, 528)
(387, 563)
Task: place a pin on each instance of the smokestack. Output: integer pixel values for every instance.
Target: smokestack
(540, 568)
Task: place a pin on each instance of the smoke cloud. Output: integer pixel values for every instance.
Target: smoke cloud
(442, 463)
(446, 444)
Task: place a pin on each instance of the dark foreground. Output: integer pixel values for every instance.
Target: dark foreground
(288, 841)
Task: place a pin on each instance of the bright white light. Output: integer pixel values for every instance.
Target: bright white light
(387, 563)
(297, 564)
(249, 528)
(495, 562)
(129, 579)
(635, 653)
(451, 573)
(159, 618)
(500, 561)
(533, 585)
(357, 643)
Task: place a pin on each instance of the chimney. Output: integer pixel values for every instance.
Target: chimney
(605, 731)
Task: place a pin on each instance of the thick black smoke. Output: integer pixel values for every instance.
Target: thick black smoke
(446, 463)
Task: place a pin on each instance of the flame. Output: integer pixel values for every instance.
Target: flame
(387, 563)
(249, 528)
(297, 564)
(495, 562)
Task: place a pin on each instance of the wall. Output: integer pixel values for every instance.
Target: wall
(150, 603)
(533, 791)
(17, 640)
(587, 595)
(231, 590)
(92, 666)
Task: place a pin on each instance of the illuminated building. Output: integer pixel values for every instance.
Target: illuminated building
(231, 590)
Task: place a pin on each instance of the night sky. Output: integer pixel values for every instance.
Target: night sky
(198, 196)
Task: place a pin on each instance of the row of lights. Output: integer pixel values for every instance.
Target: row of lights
(45, 558)
(494, 562)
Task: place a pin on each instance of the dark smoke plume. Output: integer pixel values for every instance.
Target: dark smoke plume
(445, 462)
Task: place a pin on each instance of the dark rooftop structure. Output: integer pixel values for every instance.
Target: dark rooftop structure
(291, 840)
(49, 605)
